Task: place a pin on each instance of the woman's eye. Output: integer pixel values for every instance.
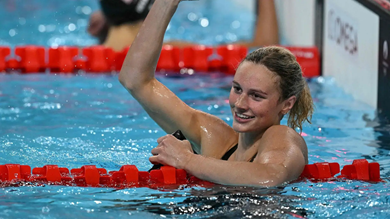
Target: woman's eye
(257, 96)
(236, 89)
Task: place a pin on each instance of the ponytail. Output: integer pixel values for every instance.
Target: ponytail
(302, 109)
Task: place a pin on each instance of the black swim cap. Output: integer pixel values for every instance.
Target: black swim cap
(118, 12)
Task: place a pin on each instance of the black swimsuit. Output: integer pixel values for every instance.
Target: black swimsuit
(231, 151)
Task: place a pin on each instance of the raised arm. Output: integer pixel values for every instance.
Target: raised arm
(163, 106)
(141, 60)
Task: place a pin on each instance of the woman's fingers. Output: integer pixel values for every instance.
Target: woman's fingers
(165, 137)
(156, 150)
(154, 160)
(160, 139)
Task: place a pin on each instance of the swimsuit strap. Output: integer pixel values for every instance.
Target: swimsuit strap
(253, 158)
(232, 150)
(229, 152)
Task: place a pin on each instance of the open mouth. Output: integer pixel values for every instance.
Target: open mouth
(242, 116)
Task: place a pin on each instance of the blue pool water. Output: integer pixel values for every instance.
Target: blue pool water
(75, 120)
(57, 22)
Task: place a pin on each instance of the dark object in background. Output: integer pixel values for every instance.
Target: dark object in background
(119, 12)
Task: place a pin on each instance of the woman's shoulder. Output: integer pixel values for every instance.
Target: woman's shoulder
(284, 138)
(282, 130)
(282, 133)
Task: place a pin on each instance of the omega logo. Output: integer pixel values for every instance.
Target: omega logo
(343, 32)
(385, 50)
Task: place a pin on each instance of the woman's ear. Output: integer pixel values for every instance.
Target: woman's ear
(288, 104)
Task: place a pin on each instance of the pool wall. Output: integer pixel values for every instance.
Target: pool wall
(354, 46)
(297, 22)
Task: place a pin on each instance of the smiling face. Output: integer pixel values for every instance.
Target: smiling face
(255, 99)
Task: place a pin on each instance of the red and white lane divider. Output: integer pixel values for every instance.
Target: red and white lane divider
(129, 176)
(100, 59)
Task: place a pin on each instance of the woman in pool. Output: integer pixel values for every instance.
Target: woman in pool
(257, 150)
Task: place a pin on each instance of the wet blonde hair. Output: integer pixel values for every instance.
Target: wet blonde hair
(291, 83)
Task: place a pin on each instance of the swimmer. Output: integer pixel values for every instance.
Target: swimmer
(117, 24)
(266, 27)
(257, 150)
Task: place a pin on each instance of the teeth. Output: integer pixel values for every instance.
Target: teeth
(243, 116)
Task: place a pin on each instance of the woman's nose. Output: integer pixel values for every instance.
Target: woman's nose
(242, 102)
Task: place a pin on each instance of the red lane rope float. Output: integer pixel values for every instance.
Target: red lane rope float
(128, 176)
(100, 59)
